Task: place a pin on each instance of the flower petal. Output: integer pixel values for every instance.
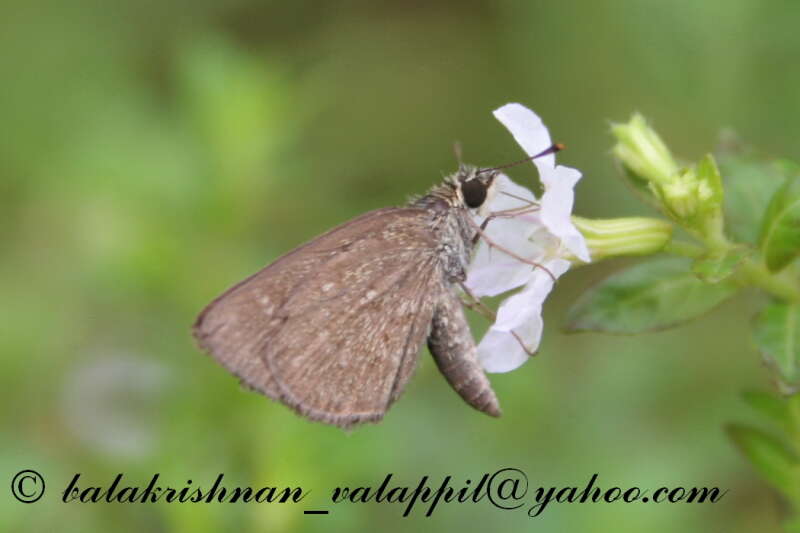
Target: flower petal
(556, 209)
(529, 132)
(493, 278)
(509, 195)
(511, 313)
(491, 270)
(500, 350)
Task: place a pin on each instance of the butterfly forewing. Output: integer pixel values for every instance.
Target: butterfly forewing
(333, 328)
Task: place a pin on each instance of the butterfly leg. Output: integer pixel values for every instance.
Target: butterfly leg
(481, 233)
(479, 307)
(531, 207)
(453, 348)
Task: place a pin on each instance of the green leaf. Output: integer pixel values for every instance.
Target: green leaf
(716, 268)
(776, 332)
(771, 458)
(780, 228)
(708, 172)
(749, 183)
(772, 407)
(654, 295)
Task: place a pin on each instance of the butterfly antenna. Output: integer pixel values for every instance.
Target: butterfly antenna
(458, 153)
(557, 147)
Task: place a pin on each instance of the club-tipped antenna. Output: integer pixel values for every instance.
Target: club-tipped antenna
(557, 147)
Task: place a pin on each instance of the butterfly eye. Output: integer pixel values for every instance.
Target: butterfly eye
(474, 192)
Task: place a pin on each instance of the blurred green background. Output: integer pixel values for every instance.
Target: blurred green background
(156, 152)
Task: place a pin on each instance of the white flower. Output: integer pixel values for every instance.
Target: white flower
(544, 234)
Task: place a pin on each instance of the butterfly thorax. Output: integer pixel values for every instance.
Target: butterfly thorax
(439, 198)
(451, 221)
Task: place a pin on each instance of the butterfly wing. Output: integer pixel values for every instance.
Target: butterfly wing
(333, 328)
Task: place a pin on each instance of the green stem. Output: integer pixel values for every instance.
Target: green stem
(713, 235)
(684, 249)
(752, 272)
(793, 407)
(757, 274)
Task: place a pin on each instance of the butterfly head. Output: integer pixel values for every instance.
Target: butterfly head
(475, 187)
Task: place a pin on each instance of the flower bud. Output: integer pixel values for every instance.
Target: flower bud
(693, 196)
(642, 151)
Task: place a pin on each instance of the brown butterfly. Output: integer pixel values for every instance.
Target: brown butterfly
(333, 328)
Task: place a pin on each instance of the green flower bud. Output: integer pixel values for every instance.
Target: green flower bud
(642, 151)
(693, 197)
(623, 236)
(681, 194)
